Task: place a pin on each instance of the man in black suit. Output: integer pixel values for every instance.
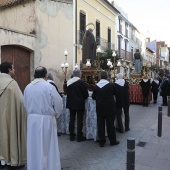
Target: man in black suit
(76, 95)
(122, 102)
(104, 93)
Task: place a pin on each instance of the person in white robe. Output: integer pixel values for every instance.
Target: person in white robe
(44, 105)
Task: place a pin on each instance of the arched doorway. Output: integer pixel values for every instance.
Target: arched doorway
(20, 57)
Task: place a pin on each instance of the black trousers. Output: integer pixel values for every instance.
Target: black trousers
(164, 99)
(119, 118)
(145, 100)
(155, 96)
(80, 114)
(107, 118)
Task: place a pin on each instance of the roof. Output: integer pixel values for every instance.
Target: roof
(7, 3)
(111, 6)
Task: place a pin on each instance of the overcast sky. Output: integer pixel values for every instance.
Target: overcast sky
(151, 17)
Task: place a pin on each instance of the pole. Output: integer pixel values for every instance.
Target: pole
(130, 162)
(168, 106)
(159, 121)
(114, 66)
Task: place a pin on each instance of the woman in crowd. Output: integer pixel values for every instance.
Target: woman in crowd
(145, 85)
(155, 89)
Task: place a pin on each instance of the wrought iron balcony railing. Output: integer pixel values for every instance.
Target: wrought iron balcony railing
(104, 44)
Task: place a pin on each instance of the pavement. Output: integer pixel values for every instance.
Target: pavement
(154, 155)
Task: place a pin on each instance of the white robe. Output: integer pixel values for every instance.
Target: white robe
(43, 104)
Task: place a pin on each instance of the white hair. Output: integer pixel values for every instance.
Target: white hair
(119, 76)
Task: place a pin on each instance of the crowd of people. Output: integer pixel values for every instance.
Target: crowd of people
(28, 122)
(157, 85)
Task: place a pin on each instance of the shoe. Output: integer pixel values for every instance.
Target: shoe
(101, 144)
(81, 139)
(119, 130)
(2, 166)
(72, 138)
(114, 143)
(163, 104)
(127, 129)
(16, 167)
(58, 133)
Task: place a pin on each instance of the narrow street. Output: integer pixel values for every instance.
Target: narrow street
(155, 155)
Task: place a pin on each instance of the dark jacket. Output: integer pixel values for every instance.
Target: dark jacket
(165, 87)
(145, 87)
(104, 96)
(122, 95)
(76, 95)
(155, 87)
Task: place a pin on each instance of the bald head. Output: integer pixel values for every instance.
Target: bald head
(40, 72)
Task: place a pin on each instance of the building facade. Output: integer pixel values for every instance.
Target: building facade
(36, 33)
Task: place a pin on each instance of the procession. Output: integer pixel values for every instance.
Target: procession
(91, 98)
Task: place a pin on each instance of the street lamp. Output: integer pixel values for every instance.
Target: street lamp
(76, 66)
(114, 55)
(64, 67)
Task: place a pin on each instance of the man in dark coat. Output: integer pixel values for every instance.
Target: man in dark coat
(164, 90)
(154, 89)
(89, 46)
(145, 85)
(104, 93)
(76, 95)
(122, 102)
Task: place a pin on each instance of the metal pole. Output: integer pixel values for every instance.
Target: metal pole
(159, 121)
(168, 106)
(114, 66)
(130, 164)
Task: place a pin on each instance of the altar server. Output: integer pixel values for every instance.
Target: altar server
(44, 105)
(104, 93)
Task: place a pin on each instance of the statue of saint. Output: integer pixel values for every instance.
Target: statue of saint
(137, 60)
(89, 46)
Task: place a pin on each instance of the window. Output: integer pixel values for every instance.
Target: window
(109, 38)
(120, 25)
(98, 32)
(126, 29)
(82, 26)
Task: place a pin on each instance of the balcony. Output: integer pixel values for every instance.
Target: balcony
(104, 44)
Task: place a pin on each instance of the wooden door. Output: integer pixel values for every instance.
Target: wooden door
(20, 57)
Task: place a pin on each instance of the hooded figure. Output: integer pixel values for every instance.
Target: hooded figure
(89, 46)
(137, 61)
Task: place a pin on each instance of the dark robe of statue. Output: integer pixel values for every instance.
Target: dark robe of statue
(89, 46)
(137, 61)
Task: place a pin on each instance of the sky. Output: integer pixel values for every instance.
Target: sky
(150, 17)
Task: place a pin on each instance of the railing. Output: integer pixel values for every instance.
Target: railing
(104, 44)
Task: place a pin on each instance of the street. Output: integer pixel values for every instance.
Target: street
(155, 155)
